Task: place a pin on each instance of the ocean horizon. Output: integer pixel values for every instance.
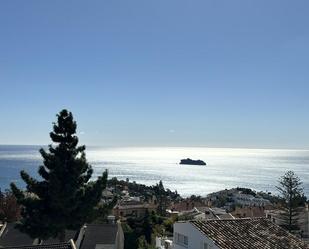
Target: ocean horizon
(258, 169)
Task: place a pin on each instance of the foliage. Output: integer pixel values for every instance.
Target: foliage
(9, 208)
(161, 198)
(268, 196)
(135, 189)
(156, 219)
(143, 244)
(65, 198)
(131, 237)
(246, 191)
(147, 227)
(143, 230)
(222, 200)
(194, 198)
(292, 198)
(168, 226)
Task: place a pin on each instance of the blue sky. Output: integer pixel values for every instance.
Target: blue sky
(171, 73)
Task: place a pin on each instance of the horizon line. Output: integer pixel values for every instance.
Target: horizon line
(171, 146)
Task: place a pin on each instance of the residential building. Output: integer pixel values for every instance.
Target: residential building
(186, 205)
(249, 200)
(90, 236)
(101, 236)
(203, 213)
(172, 214)
(107, 195)
(249, 212)
(132, 208)
(12, 237)
(233, 233)
(213, 213)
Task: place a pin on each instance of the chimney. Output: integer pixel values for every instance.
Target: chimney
(111, 219)
(80, 237)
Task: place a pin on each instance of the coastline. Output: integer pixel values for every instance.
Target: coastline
(226, 168)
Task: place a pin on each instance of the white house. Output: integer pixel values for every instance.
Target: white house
(249, 200)
(186, 235)
(246, 233)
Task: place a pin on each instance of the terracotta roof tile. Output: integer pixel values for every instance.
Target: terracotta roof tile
(248, 233)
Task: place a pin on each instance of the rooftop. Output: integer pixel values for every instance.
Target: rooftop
(65, 245)
(69, 234)
(99, 234)
(12, 237)
(248, 233)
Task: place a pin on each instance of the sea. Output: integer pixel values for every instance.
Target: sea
(259, 169)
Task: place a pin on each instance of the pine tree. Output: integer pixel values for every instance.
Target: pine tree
(292, 198)
(161, 198)
(65, 198)
(147, 227)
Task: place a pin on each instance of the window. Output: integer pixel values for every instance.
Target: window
(185, 240)
(181, 239)
(206, 246)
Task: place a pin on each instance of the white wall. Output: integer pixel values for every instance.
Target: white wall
(196, 239)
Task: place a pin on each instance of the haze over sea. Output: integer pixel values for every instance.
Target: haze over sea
(258, 169)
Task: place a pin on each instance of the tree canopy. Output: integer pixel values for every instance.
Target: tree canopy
(9, 209)
(291, 191)
(161, 198)
(64, 198)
